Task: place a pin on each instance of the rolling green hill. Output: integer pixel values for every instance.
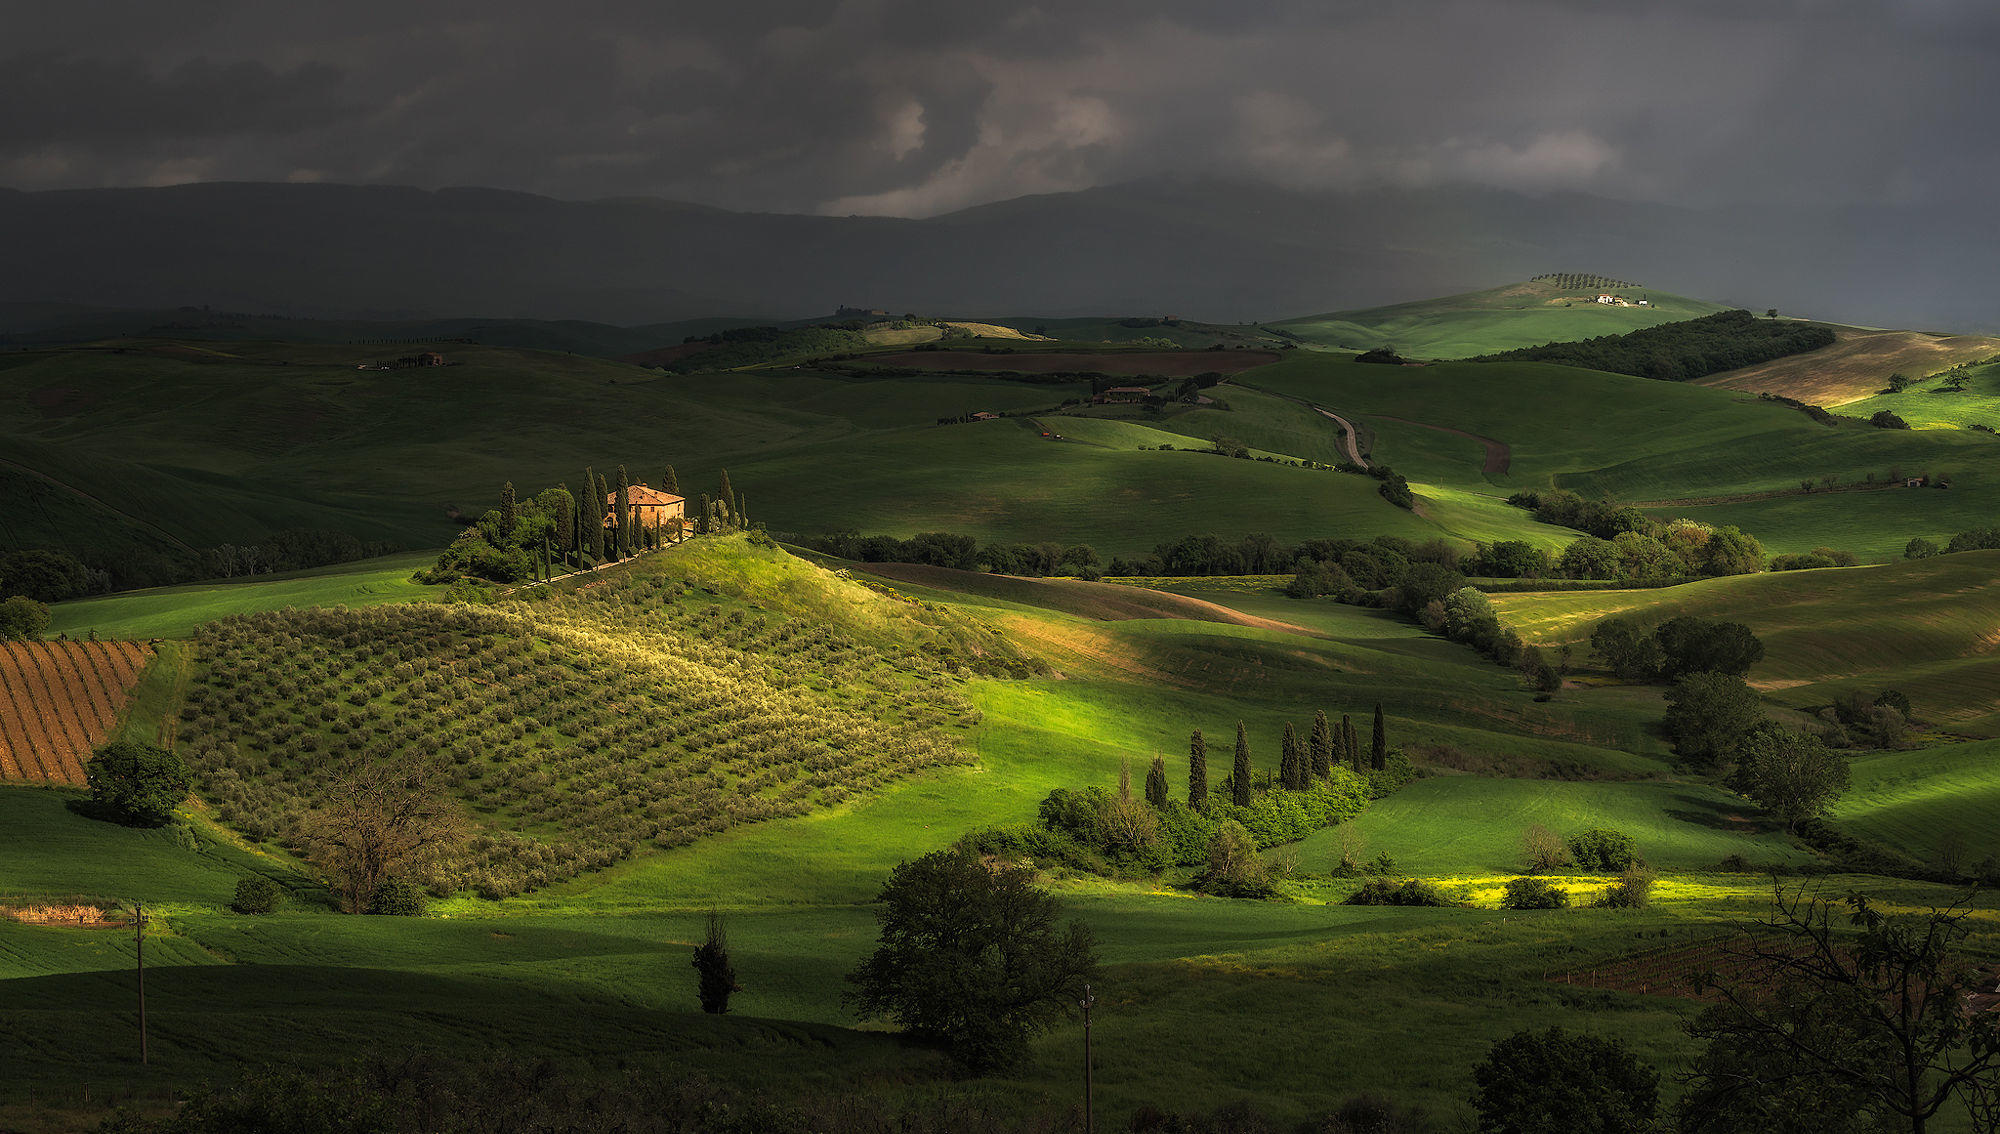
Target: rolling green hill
(1925, 627)
(1486, 322)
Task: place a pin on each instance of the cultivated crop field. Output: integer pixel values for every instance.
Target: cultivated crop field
(61, 700)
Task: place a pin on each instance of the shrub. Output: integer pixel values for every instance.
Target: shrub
(255, 894)
(22, 619)
(398, 897)
(1234, 870)
(137, 784)
(1534, 894)
(1603, 849)
(1555, 1082)
(1409, 892)
(1632, 891)
(1544, 849)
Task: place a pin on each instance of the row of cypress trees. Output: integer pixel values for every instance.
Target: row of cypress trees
(1301, 762)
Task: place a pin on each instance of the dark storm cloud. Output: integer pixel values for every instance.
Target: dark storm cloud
(914, 107)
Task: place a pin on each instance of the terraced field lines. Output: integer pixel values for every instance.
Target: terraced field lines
(62, 700)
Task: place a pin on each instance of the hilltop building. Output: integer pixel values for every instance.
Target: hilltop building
(654, 508)
(1122, 394)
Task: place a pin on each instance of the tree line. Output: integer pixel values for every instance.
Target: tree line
(1683, 351)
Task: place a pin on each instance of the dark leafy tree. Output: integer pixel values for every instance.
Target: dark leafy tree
(715, 977)
(672, 483)
(136, 784)
(623, 510)
(1869, 1021)
(508, 515)
(1197, 796)
(726, 499)
(1558, 1082)
(23, 619)
(971, 956)
(1709, 715)
(1239, 775)
(1626, 649)
(1697, 645)
(1793, 776)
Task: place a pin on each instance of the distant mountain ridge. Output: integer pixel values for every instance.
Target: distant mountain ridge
(1215, 250)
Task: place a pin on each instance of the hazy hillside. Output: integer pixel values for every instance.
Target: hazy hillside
(1498, 319)
(1204, 249)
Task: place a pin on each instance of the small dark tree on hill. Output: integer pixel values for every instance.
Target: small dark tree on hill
(1321, 745)
(1378, 749)
(1197, 771)
(715, 978)
(136, 784)
(725, 500)
(1557, 1082)
(380, 820)
(1625, 649)
(508, 513)
(971, 956)
(624, 510)
(22, 619)
(1239, 776)
(1350, 742)
(1156, 782)
(1697, 645)
(672, 483)
(1791, 775)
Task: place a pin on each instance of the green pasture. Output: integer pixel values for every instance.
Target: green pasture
(173, 612)
(1928, 404)
(1925, 627)
(1491, 321)
(1926, 801)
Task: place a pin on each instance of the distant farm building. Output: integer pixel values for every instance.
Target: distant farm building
(1604, 299)
(653, 507)
(986, 415)
(1122, 394)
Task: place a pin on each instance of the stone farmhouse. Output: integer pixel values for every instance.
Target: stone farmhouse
(654, 508)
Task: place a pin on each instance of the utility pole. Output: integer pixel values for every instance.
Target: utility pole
(1088, 1002)
(139, 938)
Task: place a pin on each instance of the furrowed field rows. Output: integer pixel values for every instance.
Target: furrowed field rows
(58, 701)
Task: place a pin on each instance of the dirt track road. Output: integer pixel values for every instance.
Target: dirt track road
(1353, 447)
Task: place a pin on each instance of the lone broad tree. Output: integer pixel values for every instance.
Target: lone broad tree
(971, 956)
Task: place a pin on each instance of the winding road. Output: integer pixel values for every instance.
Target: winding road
(1347, 428)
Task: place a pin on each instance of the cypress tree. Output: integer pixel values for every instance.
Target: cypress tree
(1288, 759)
(672, 484)
(509, 510)
(1124, 780)
(1197, 771)
(1378, 751)
(624, 510)
(1156, 782)
(1350, 740)
(593, 520)
(726, 499)
(565, 521)
(701, 518)
(1239, 777)
(1322, 746)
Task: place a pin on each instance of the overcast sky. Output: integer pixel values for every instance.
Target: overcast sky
(914, 107)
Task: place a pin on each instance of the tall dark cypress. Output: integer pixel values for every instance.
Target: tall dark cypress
(624, 510)
(726, 500)
(672, 484)
(565, 521)
(593, 518)
(1350, 742)
(702, 517)
(509, 510)
(1239, 777)
(1197, 771)
(1378, 751)
(1321, 745)
(1156, 782)
(1288, 760)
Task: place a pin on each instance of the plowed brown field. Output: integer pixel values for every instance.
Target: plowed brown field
(58, 701)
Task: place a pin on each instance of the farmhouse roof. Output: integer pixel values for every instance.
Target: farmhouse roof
(1130, 390)
(643, 497)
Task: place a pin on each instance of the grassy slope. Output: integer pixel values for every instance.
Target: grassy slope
(1497, 319)
(1918, 801)
(1857, 365)
(1927, 404)
(173, 612)
(1926, 627)
(1665, 443)
(1444, 983)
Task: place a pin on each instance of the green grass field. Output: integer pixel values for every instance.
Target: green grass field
(1926, 801)
(1498, 319)
(171, 612)
(1925, 627)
